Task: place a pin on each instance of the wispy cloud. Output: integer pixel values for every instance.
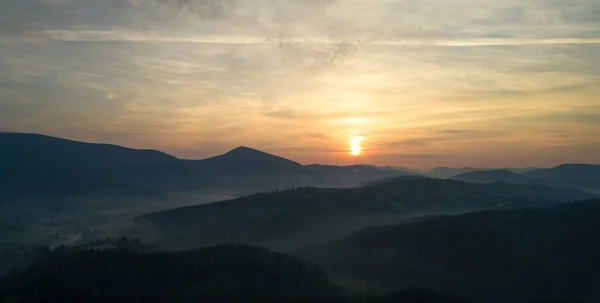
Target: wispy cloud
(130, 36)
(453, 131)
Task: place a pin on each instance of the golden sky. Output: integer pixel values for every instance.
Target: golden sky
(424, 83)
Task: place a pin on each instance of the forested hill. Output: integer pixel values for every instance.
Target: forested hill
(292, 218)
(491, 256)
(223, 271)
(226, 273)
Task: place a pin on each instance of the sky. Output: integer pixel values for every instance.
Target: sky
(424, 83)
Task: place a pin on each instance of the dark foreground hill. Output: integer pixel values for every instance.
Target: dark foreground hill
(217, 274)
(492, 256)
(289, 219)
(223, 271)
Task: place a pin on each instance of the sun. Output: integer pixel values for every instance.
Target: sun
(355, 148)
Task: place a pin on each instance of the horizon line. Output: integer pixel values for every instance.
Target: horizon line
(273, 154)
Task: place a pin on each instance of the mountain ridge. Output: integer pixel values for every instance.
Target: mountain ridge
(46, 164)
(576, 175)
(292, 218)
(519, 255)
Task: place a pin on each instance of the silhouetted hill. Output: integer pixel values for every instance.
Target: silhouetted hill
(292, 218)
(582, 176)
(227, 272)
(128, 271)
(244, 160)
(492, 256)
(34, 163)
(494, 175)
(247, 169)
(393, 179)
(586, 176)
(448, 172)
(42, 164)
(251, 170)
(353, 175)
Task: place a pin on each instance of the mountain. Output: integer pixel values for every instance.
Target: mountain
(585, 176)
(246, 169)
(34, 163)
(42, 164)
(245, 160)
(289, 219)
(582, 176)
(47, 180)
(526, 255)
(494, 175)
(448, 172)
(393, 179)
(251, 170)
(353, 175)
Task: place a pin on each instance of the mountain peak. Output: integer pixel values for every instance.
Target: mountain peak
(244, 150)
(251, 159)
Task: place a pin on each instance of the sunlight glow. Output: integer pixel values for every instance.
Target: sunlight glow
(355, 148)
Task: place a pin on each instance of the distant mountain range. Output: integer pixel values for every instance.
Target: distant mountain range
(448, 172)
(41, 164)
(289, 219)
(583, 176)
(527, 255)
(494, 175)
(33, 163)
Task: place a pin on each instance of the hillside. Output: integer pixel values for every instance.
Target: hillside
(52, 180)
(37, 164)
(582, 176)
(248, 170)
(128, 271)
(494, 175)
(354, 175)
(247, 160)
(490, 256)
(449, 172)
(585, 176)
(224, 271)
(292, 218)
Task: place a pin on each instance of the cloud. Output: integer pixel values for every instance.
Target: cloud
(204, 9)
(453, 131)
(412, 142)
(291, 114)
(337, 47)
(422, 156)
(318, 136)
